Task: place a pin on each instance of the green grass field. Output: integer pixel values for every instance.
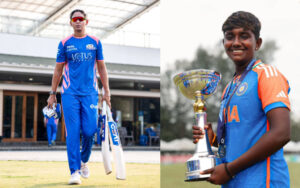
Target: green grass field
(173, 176)
(35, 174)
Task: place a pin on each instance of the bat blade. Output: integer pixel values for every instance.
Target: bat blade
(116, 147)
(105, 143)
(117, 151)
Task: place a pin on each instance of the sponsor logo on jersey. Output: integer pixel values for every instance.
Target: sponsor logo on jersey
(80, 57)
(94, 106)
(242, 89)
(281, 94)
(114, 133)
(90, 47)
(71, 48)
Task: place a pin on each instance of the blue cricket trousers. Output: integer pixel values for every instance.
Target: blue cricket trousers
(51, 132)
(80, 114)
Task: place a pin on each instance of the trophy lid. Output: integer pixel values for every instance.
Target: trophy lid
(200, 80)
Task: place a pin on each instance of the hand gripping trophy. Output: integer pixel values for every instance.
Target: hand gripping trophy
(199, 85)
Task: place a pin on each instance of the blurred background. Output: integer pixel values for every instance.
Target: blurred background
(191, 38)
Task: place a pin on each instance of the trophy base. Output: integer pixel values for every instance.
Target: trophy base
(196, 164)
(196, 176)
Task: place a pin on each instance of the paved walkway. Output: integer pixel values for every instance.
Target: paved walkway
(152, 157)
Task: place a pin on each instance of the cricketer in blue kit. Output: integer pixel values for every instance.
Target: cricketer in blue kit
(51, 125)
(79, 57)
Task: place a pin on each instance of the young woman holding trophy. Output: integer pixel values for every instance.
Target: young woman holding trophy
(254, 122)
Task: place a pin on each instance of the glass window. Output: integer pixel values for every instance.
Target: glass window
(125, 106)
(150, 108)
(7, 116)
(18, 117)
(29, 116)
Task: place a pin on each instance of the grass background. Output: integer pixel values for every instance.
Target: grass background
(173, 175)
(36, 174)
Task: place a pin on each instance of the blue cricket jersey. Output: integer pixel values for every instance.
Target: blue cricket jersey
(79, 56)
(263, 89)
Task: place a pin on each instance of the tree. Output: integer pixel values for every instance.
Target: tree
(176, 110)
(295, 130)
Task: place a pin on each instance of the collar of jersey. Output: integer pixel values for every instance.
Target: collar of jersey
(79, 37)
(258, 63)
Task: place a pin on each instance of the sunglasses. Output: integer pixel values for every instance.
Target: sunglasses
(78, 18)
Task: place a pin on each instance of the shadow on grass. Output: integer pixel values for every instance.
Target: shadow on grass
(48, 185)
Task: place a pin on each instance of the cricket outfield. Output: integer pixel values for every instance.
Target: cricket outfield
(173, 175)
(50, 169)
(42, 174)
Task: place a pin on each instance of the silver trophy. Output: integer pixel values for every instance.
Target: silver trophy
(198, 85)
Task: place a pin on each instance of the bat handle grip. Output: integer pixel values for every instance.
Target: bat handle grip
(108, 112)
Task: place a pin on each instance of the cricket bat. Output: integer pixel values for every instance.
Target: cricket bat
(116, 146)
(105, 142)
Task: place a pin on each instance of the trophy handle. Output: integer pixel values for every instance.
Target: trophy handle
(203, 146)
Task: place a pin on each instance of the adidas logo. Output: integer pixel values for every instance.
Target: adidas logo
(281, 94)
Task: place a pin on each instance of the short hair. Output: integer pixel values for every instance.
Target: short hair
(77, 10)
(245, 20)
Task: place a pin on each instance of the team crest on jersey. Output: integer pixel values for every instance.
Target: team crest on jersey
(242, 89)
(90, 47)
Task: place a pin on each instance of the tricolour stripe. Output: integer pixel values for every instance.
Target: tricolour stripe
(268, 164)
(268, 173)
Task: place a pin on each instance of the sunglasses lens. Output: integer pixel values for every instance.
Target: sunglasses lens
(77, 18)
